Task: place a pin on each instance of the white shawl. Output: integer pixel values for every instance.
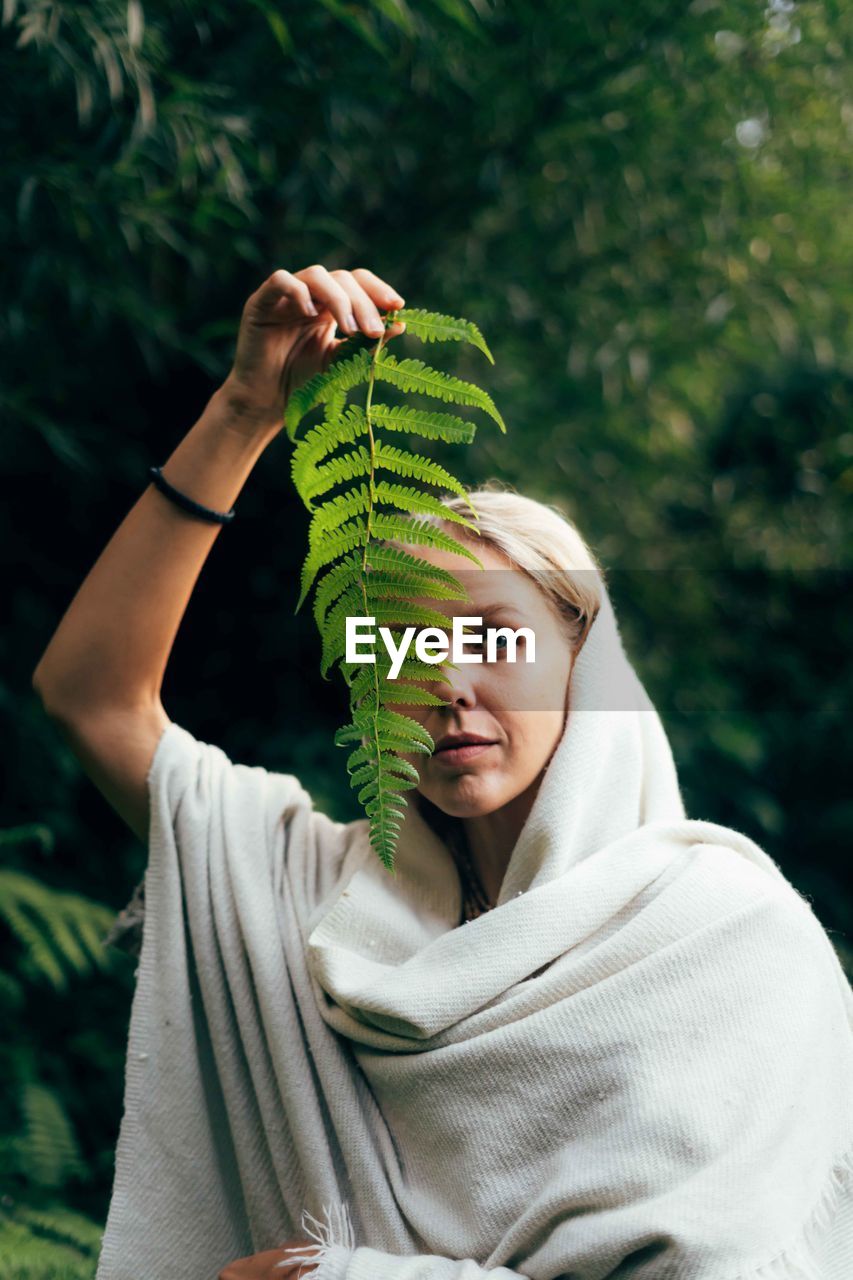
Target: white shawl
(670, 1099)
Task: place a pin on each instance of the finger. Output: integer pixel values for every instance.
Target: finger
(381, 293)
(366, 310)
(283, 285)
(328, 291)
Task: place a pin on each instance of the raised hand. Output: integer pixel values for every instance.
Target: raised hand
(287, 334)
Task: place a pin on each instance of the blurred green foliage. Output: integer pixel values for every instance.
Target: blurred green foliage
(644, 205)
(49, 938)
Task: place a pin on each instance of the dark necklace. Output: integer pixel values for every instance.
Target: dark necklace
(475, 900)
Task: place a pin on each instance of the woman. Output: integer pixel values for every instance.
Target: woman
(575, 1034)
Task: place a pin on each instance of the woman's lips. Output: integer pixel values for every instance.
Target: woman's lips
(458, 755)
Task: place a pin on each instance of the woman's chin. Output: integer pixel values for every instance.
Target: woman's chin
(465, 797)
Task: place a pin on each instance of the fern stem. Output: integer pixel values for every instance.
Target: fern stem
(371, 380)
(370, 385)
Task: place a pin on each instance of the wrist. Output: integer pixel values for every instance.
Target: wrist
(239, 410)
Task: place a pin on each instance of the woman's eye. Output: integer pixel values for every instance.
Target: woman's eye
(477, 640)
(502, 643)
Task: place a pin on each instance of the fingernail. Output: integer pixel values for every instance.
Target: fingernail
(352, 323)
(311, 309)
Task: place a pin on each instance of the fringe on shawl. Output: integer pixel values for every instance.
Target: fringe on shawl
(334, 1234)
(797, 1260)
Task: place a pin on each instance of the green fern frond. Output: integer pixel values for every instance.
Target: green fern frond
(394, 723)
(414, 669)
(345, 467)
(341, 376)
(399, 613)
(409, 499)
(60, 933)
(395, 574)
(59, 1223)
(47, 1151)
(50, 1242)
(384, 615)
(392, 559)
(321, 441)
(422, 422)
(392, 765)
(432, 327)
(411, 695)
(337, 511)
(328, 549)
(391, 585)
(364, 679)
(384, 825)
(333, 583)
(401, 463)
(357, 572)
(420, 532)
(369, 727)
(414, 375)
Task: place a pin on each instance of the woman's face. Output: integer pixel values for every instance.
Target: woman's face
(519, 707)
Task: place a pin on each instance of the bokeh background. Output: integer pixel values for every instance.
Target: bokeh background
(644, 205)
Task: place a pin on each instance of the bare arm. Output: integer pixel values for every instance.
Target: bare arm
(112, 645)
(101, 675)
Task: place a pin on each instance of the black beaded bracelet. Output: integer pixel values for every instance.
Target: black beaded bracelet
(188, 504)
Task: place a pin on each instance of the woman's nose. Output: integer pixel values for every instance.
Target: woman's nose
(457, 687)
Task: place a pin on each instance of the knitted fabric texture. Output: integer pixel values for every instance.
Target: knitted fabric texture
(639, 1063)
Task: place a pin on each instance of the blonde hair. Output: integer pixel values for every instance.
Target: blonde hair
(540, 540)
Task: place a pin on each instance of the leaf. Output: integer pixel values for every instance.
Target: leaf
(59, 933)
(368, 677)
(433, 426)
(384, 615)
(49, 1154)
(277, 25)
(414, 375)
(328, 549)
(333, 583)
(361, 24)
(357, 573)
(412, 464)
(336, 512)
(345, 467)
(337, 428)
(395, 559)
(341, 376)
(410, 499)
(422, 533)
(432, 327)
(395, 11)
